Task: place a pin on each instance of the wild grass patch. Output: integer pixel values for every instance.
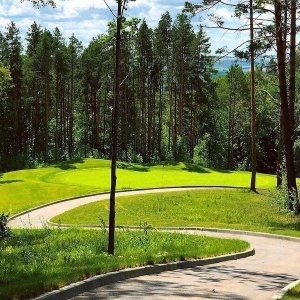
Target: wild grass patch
(35, 261)
(220, 208)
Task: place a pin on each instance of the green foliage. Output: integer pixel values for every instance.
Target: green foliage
(284, 199)
(180, 149)
(5, 232)
(297, 156)
(281, 195)
(57, 105)
(201, 152)
(41, 3)
(36, 261)
(4, 75)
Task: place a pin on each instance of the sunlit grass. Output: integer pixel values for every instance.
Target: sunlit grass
(36, 261)
(21, 190)
(225, 208)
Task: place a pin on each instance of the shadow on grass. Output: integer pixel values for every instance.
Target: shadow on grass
(10, 181)
(131, 167)
(222, 171)
(162, 164)
(203, 282)
(68, 165)
(277, 225)
(194, 168)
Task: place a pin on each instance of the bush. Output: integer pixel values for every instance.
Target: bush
(201, 152)
(180, 149)
(5, 232)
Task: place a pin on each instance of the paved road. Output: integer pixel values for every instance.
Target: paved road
(259, 277)
(275, 264)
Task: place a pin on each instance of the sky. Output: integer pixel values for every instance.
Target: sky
(88, 18)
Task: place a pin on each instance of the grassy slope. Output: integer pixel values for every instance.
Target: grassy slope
(25, 189)
(237, 209)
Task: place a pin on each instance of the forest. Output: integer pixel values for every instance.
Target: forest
(56, 99)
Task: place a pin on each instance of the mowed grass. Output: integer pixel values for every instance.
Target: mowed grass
(37, 261)
(218, 208)
(21, 190)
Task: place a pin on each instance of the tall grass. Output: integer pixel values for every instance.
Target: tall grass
(36, 261)
(220, 208)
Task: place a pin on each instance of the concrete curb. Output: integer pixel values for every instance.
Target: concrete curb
(80, 287)
(233, 231)
(285, 290)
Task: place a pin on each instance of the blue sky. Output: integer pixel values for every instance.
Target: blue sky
(88, 18)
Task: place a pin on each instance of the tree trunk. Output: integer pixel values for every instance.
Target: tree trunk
(112, 202)
(253, 105)
(47, 104)
(292, 87)
(286, 119)
(280, 155)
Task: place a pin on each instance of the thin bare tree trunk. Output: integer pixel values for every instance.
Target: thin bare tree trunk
(112, 202)
(253, 105)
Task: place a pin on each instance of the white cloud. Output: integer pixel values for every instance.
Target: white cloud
(89, 18)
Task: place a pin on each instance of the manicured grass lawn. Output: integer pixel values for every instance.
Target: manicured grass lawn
(293, 294)
(21, 190)
(36, 261)
(220, 208)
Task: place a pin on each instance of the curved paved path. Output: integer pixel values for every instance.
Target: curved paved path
(258, 277)
(37, 218)
(275, 264)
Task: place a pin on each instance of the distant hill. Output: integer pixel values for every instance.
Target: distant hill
(223, 65)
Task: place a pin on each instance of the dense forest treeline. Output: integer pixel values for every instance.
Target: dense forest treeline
(57, 103)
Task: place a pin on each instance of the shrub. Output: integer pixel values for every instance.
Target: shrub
(5, 232)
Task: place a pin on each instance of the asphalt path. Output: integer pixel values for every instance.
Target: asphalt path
(274, 265)
(39, 217)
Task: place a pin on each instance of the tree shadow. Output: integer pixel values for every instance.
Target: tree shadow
(132, 167)
(163, 164)
(277, 225)
(204, 282)
(222, 171)
(9, 181)
(194, 168)
(69, 164)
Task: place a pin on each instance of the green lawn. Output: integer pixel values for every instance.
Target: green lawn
(37, 261)
(225, 208)
(21, 190)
